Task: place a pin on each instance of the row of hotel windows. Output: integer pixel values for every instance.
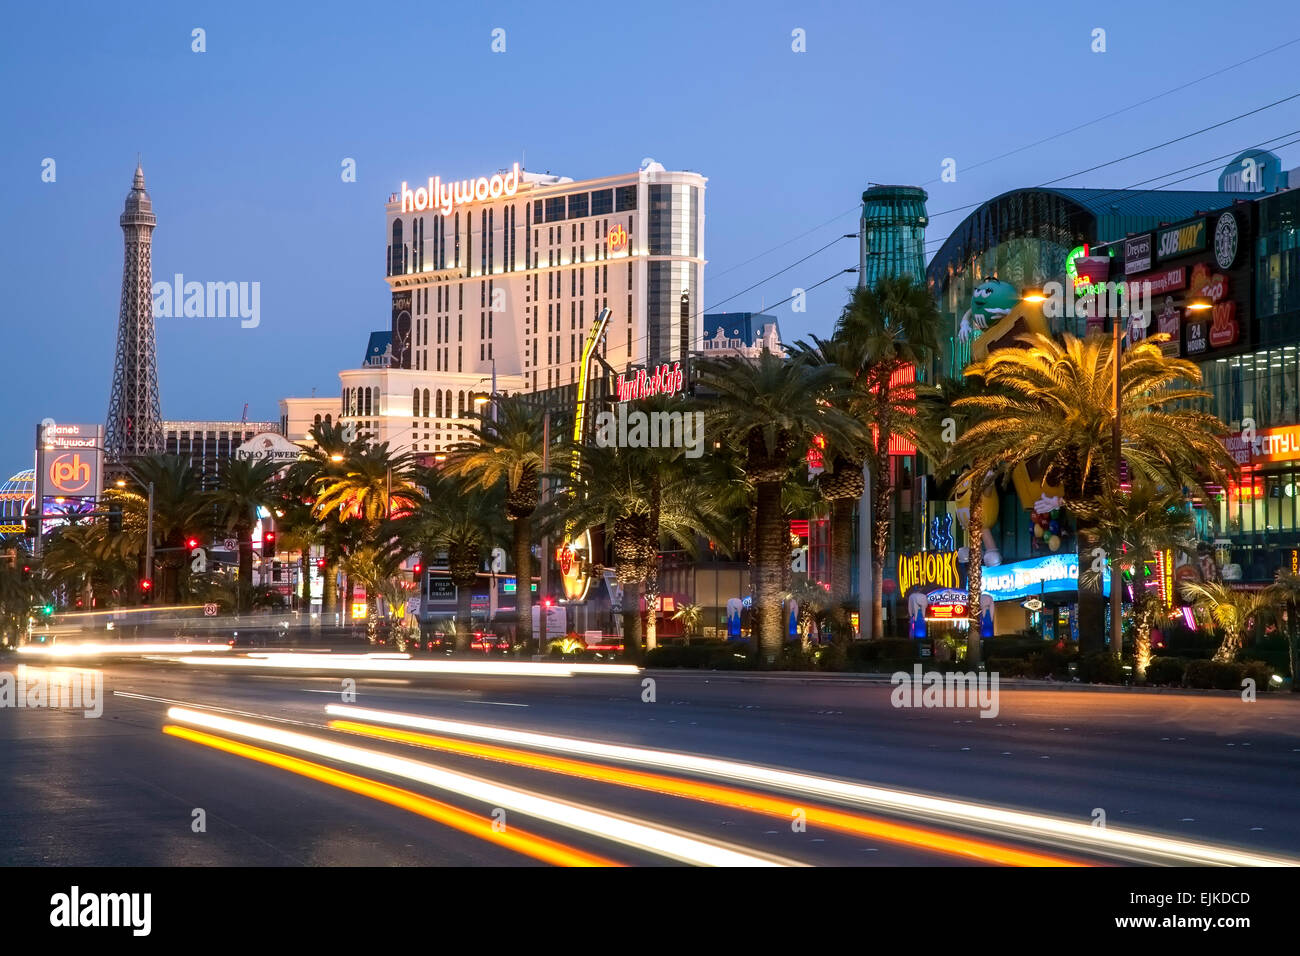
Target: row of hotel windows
(403, 257)
(364, 401)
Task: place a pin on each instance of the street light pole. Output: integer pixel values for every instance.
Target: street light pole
(543, 589)
(148, 540)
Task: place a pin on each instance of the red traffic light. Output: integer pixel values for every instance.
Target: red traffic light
(320, 563)
(417, 569)
(146, 584)
(548, 602)
(192, 543)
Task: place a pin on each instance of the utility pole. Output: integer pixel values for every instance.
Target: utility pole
(148, 541)
(544, 583)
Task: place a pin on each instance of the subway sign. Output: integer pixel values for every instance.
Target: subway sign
(1180, 240)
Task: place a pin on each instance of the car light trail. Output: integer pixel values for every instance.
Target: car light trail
(750, 800)
(539, 848)
(652, 839)
(1124, 844)
(118, 649)
(391, 665)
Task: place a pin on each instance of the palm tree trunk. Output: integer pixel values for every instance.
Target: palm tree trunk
(652, 606)
(523, 581)
(1143, 622)
(1291, 642)
(329, 596)
(464, 590)
(1091, 604)
(772, 550)
(975, 568)
(244, 583)
(881, 494)
(1231, 646)
(841, 555)
(632, 620)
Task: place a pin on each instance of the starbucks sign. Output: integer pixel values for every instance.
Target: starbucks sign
(1226, 236)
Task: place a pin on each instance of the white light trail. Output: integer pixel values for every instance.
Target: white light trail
(391, 665)
(652, 839)
(118, 649)
(1126, 844)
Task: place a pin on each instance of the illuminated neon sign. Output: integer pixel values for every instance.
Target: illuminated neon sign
(665, 380)
(929, 569)
(445, 197)
(617, 239)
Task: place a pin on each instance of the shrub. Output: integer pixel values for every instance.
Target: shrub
(1213, 675)
(1008, 666)
(1100, 667)
(1011, 646)
(1051, 662)
(887, 654)
(833, 657)
(1270, 650)
(1166, 671)
(710, 655)
(1260, 672)
(794, 658)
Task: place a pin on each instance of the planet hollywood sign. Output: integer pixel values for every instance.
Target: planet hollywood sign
(444, 197)
(665, 380)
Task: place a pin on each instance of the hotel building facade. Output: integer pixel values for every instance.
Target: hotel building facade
(495, 282)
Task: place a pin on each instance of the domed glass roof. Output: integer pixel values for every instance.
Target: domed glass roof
(16, 493)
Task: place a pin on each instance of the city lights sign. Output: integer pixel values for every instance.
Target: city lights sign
(573, 557)
(444, 197)
(618, 239)
(928, 570)
(665, 380)
(1045, 575)
(70, 461)
(947, 605)
(1180, 240)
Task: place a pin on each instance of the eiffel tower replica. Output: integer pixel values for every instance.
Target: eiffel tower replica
(134, 416)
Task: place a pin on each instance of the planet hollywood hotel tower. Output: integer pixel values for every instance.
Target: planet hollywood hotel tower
(505, 273)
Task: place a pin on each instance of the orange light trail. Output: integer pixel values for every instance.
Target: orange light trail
(829, 817)
(539, 848)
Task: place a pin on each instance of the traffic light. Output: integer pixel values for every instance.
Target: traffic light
(146, 585)
(27, 571)
(268, 542)
(47, 610)
(191, 543)
(320, 563)
(417, 569)
(33, 525)
(548, 602)
(115, 519)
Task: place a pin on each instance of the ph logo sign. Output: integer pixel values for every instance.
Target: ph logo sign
(617, 239)
(70, 473)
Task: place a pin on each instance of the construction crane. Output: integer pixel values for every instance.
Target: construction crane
(244, 417)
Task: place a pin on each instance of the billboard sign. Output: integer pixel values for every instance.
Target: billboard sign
(1046, 575)
(1137, 254)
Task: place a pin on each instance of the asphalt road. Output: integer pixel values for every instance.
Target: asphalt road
(1200, 767)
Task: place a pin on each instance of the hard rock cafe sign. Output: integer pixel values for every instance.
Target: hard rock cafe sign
(574, 559)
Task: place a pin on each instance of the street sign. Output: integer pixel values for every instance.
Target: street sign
(230, 544)
(209, 610)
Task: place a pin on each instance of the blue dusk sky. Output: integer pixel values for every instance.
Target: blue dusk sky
(243, 146)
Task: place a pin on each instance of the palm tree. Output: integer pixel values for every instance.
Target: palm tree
(19, 591)
(1131, 527)
(638, 502)
(1051, 401)
(244, 486)
(1286, 592)
(506, 448)
(372, 485)
(690, 615)
(1230, 610)
(771, 408)
(891, 331)
(179, 509)
(325, 456)
(463, 520)
(377, 566)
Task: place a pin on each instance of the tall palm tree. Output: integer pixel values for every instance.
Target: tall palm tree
(771, 408)
(179, 510)
(243, 487)
(463, 520)
(1051, 401)
(892, 330)
(505, 447)
(638, 502)
(1131, 527)
(373, 484)
(325, 456)
(1231, 610)
(19, 591)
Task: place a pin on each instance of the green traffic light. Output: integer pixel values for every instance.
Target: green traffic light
(48, 609)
